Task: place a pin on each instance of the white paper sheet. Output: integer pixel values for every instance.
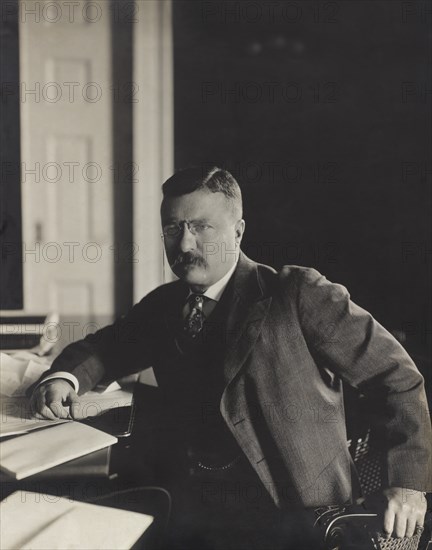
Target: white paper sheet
(22, 369)
(39, 521)
(19, 371)
(16, 418)
(35, 452)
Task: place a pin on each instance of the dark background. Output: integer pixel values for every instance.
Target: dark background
(11, 269)
(335, 166)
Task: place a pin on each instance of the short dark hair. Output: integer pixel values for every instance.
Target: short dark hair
(215, 179)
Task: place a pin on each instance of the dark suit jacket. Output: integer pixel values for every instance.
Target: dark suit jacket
(292, 336)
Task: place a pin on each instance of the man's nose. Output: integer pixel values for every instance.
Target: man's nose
(187, 240)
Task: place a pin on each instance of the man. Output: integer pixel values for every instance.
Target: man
(249, 363)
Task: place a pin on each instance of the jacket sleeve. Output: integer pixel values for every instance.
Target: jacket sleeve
(352, 344)
(114, 351)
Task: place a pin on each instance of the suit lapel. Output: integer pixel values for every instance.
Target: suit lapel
(248, 309)
(173, 306)
(248, 305)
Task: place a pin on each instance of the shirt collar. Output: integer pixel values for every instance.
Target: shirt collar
(215, 291)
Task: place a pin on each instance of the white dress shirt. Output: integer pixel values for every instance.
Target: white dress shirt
(213, 293)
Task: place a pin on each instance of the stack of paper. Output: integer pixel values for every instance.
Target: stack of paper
(16, 417)
(35, 452)
(39, 521)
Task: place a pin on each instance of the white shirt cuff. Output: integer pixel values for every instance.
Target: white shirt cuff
(61, 374)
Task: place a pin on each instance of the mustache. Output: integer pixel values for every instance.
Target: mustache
(188, 258)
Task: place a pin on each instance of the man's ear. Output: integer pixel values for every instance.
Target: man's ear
(239, 230)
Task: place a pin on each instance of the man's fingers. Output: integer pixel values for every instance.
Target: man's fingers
(415, 524)
(58, 410)
(411, 526)
(404, 512)
(41, 410)
(389, 519)
(47, 402)
(400, 525)
(420, 520)
(74, 406)
(47, 413)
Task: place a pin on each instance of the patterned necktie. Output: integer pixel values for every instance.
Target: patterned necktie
(194, 321)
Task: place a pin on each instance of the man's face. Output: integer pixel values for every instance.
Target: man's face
(201, 251)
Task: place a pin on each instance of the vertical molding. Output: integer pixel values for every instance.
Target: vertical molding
(122, 103)
(153, 136)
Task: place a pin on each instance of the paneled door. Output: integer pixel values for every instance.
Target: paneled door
(66, 171)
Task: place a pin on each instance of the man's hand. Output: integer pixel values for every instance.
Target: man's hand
(48, 400)
(403, 511)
